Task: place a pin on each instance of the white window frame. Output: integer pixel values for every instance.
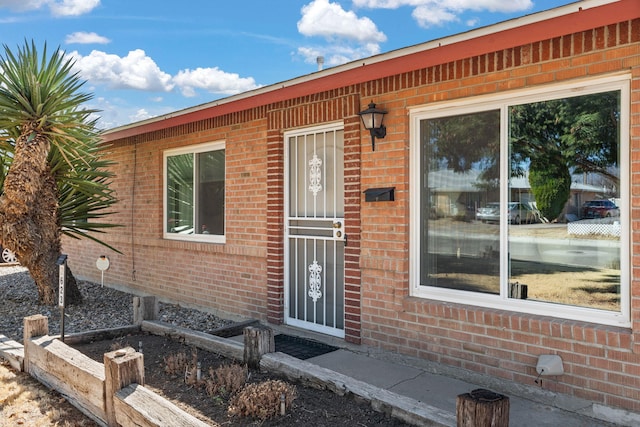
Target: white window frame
(191, 149)
(619, 82)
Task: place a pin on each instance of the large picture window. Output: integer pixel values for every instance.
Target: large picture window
(194, 193)
(523, 202)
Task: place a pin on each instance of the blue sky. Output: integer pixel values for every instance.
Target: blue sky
(144, 58)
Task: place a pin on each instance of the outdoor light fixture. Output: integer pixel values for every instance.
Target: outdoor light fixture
(372, 119)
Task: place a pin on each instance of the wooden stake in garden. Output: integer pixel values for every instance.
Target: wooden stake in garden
(257, 341)
(482, 408)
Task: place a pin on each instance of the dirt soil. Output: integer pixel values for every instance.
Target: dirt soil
(312, 407)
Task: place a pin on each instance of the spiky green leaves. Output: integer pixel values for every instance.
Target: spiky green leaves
(40, 94)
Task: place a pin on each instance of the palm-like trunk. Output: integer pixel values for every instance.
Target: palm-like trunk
(29, 220)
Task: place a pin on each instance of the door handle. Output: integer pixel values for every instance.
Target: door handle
(339, 235)
(338, 232)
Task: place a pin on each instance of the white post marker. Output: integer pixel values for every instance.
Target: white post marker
(102, 264)
(62, 280)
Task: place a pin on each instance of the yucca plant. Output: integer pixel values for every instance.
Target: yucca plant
(52, 178)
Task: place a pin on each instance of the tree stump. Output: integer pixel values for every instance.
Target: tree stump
(482, 408)
(257, 341)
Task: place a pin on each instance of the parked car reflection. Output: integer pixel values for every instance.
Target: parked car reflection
(517, 213)
(599, 209)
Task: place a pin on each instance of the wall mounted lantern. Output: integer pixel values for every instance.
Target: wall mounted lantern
(372, 119)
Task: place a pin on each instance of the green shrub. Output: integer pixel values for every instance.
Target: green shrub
(551, 186)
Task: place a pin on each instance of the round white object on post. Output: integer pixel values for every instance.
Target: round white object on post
(102, 263)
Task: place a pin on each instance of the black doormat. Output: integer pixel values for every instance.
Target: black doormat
(301, 348)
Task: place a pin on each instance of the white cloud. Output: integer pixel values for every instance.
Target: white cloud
(489, 5)
(140, 114)
(9, 20)
(23, 5)
(134, 71)
(338, 54)
(212, 80)
(472, 22)
(310, 54)
(330, 20)
(117, 111)
(428, 16)
(138, 71)
(437, 12)
(387, 4)
(82, 37)
(350, 37)
(72, 7)
(57, 7)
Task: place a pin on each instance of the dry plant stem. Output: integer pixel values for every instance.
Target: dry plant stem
(262, 400)
(226, 380)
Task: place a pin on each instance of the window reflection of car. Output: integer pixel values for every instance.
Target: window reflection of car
(600, 209)
(489, 213)
(517, 213)
(8, 256)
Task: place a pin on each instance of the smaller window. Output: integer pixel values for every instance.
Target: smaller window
(194, 193)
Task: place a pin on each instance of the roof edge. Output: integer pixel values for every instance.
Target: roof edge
(151, 124)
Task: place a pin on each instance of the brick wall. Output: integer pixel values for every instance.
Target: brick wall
(226, 278)
(244, 277)
(602, 363)
(309, 111)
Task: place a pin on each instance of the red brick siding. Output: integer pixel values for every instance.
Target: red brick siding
(598, 360)
(308, 111)
(230, 278)
(245, 276)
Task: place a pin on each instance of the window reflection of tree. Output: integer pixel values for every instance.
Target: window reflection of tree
(560, 138)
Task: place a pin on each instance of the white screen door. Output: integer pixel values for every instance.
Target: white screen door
(314, 229)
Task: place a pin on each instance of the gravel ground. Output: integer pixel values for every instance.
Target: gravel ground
(102, 308)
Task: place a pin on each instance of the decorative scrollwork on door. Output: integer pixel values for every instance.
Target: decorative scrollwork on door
(315, 175)
(315, 281)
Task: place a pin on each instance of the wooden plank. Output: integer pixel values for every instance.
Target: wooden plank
(234, 329)
(13, 352)
(88, 406)
(72, 358)
(76, 376)
(136, 406)
(101, 334)
(227, 348)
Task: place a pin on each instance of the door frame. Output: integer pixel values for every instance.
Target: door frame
(311, 326)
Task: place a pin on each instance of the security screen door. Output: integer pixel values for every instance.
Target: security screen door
(314, 229)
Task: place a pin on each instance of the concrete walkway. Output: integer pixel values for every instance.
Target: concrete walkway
(438, 387)
(425, 392)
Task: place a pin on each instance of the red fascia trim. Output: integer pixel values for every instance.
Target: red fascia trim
(583, 20)
(567, 24)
